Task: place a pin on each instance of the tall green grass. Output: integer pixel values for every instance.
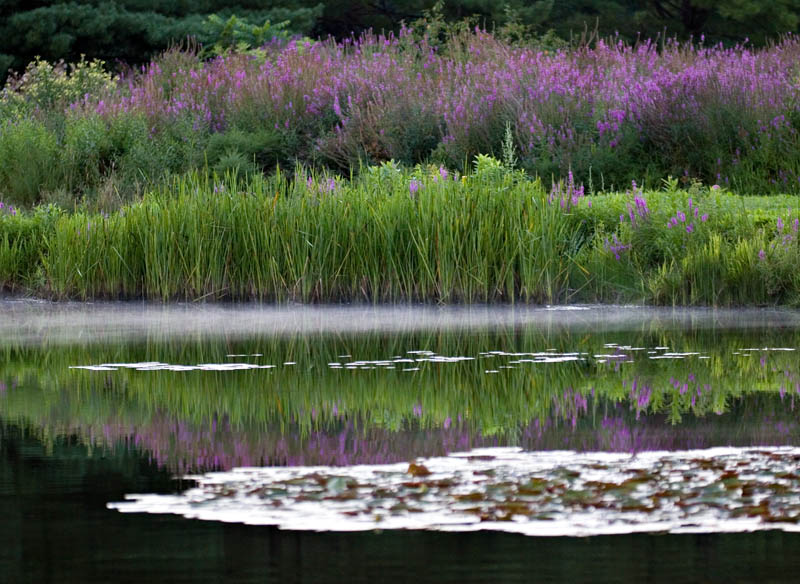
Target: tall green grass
(274, 239)
(391, 235)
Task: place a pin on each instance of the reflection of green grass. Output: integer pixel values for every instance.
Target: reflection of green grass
(310, 395)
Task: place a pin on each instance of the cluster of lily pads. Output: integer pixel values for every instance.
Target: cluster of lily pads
(507, 489)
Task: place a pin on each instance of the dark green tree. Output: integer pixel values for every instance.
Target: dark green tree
(722, 20)
(130, 31)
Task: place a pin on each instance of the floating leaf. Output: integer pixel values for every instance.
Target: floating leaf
(418, 470)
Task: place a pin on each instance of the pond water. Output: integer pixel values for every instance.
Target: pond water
(347, 443)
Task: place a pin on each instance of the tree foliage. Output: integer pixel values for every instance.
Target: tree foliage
(129, 31)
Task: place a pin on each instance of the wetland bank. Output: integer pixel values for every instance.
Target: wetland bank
(500, 430)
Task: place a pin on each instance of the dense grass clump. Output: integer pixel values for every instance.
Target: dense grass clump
(426, 234)
(609, 112)
(382, 237)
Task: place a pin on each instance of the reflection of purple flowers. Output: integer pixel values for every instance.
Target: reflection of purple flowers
(640, 394)
(188, 448)
(570, 406)
(608, 425)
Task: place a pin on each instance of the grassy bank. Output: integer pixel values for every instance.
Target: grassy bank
(609, 112)
(394, 235)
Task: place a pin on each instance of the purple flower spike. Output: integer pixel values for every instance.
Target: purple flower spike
(762, 255)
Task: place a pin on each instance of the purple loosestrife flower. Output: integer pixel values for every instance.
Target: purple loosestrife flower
(780, 225)
(641, 206)
(560, 103)
(615, 246)
(762, 255)
(568, 194)
(413, 187)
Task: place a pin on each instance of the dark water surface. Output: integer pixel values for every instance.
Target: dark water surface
(102, 401)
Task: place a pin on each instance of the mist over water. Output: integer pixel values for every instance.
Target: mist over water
(35, 322)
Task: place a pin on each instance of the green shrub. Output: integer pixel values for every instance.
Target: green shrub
(88, 152)
(45, 87)
(246, 152)
(21, 245)
(29, 161)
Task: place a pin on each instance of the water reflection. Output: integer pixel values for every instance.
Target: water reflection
(381, 397)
